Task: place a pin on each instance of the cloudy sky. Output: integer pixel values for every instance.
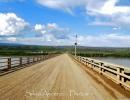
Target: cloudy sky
(55, 22)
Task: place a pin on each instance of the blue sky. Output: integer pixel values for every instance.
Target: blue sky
(103, 23)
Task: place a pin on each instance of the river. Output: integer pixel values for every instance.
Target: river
(119, 61)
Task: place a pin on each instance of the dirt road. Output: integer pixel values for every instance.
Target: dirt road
(58, 78)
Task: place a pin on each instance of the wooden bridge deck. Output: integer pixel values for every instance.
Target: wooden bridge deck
(58, 78)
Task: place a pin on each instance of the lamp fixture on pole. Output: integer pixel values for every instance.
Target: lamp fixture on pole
(76, 45)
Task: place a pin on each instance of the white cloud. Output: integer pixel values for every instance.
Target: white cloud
(52, 26)
(102, 23)
(11, 39)
(11, 24)
(101, 40)
(106, 40)
(66, 5)
(116, 28)
(51, 31)
(117, 14)
(109, 8)
(39, 27)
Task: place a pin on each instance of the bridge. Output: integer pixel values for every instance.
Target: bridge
(64, 77)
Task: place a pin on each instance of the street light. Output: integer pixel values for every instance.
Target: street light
(76, 45)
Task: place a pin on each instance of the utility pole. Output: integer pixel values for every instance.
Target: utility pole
(76, 45)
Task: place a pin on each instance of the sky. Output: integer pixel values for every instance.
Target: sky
(97, 23)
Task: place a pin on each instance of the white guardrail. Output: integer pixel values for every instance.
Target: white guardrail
(117, 73)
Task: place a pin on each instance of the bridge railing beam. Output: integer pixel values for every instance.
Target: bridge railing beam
(9, 63)
(114, 72)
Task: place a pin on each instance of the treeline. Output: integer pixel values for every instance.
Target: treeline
(24, 53)
(21, 50)
(104, 54)
(24, 50)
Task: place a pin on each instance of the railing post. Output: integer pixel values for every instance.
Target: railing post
(86, 62)
(47, 56)
(80, 58)
(40, 58)
(100, 68)
(77, 58)
(83, 60)
(122, 72)
(92, 66)
(37, 58)
(20, 61)
(9, 63)
(43, 57)
(89, 64)
(118, 76)
(28, 60)
(32, 59)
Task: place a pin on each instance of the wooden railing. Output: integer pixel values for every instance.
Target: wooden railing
(117, 73)
(7, 63)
